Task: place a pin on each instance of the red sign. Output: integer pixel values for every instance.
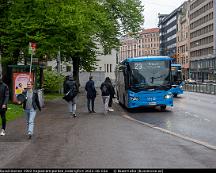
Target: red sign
(33, 45)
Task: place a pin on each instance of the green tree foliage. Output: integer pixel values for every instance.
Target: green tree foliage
(76, 26)
(53, 82)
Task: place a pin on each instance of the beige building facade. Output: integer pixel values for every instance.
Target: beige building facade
(183, 40)
(147, 44)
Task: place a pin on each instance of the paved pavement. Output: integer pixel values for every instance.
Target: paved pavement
(96, 141)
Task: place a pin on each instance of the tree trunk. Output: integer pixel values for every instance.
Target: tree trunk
(76, 65)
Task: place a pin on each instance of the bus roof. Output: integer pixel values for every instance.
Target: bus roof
(144, 58)
(176, 65)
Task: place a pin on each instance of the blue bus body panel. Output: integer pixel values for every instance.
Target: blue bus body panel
(176, 90)
(149, 98)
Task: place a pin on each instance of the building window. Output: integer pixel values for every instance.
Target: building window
(107, 67)
(110, 67)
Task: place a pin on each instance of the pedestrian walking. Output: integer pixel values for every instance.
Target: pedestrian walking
(30, 106)
(112, 94)
(91, 94)
(4, 96)
(105, 92)
(71, 91)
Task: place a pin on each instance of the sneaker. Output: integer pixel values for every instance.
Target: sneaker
(29, 136)
(90, 111)
(93, 112)
(111, 110)
(2, 132)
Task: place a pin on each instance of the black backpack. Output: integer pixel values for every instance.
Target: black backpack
(105, 90)
(71, 93)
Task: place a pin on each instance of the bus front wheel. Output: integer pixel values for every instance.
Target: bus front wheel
(163, 108)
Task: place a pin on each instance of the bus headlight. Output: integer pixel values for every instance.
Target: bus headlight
(134, 98)
(168, 96)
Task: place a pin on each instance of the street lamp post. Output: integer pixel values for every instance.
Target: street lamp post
(0, 64)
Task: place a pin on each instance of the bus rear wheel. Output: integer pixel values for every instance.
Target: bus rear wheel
(163, 108)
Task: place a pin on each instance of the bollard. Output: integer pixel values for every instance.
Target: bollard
(211, 89)
(41, 97)
(214, 88)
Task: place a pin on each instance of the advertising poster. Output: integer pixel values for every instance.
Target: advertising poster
(20, 83)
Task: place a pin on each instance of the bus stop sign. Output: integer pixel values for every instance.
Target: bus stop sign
(32, 48)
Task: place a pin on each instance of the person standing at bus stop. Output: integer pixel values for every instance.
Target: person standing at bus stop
(105, 92)
(112, 94)
(4, 96)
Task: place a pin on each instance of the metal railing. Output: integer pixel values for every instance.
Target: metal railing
(201, 88)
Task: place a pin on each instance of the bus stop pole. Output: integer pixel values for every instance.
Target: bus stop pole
(30, 66)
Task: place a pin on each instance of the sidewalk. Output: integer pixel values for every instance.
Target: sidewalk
(96, 141)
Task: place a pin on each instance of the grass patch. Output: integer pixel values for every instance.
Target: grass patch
(52, 96)
(13, 112)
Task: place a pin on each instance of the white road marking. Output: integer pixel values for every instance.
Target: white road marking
(205, 144)
(207, 119)
(194, 115)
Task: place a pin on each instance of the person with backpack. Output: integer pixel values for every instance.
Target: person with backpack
(112, 94)
(91, 94)
(105, 92)
(4, 96)
(71, 91)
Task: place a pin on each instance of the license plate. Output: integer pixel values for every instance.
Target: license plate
(152, 103)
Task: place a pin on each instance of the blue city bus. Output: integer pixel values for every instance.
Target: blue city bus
(177, 81)
(144, 82)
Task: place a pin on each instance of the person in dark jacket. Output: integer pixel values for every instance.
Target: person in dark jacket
(91, 94)
(112, 94)
(71, 87)
(4, 96)
(105, 92)
(30, 105)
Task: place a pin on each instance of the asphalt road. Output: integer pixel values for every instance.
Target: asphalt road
(97, 141)
(193, 115)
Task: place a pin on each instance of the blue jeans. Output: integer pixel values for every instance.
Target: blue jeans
(72, 106)
(30, 116)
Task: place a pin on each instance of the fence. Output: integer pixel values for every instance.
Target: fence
(201, 88)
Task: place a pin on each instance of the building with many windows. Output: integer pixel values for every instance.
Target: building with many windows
(183, 39)
(146, 44)
(202, 39)
(168, 30)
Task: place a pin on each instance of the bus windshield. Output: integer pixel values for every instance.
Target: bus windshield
(149, 74)
(176, 75)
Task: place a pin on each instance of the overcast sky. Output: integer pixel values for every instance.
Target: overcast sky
(153, 7)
